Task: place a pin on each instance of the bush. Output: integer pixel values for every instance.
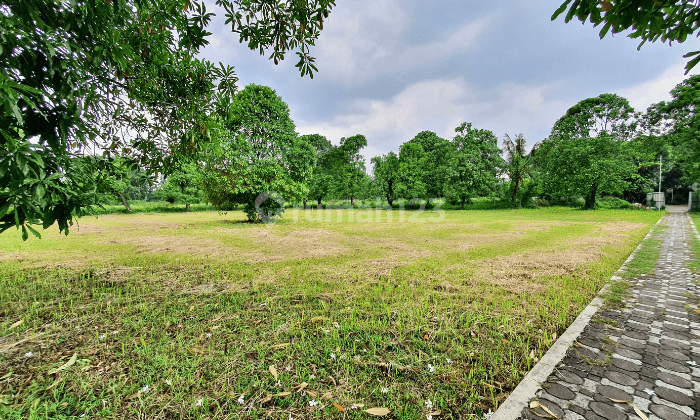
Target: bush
(613, 203)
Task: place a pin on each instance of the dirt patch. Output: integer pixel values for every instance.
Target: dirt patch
(173, 244)
(466, 241)
(274, 246)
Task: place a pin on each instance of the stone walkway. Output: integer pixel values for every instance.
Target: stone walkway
(646, 355)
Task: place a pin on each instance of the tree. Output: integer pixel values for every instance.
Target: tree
(412, 171)
(678, 122)
(386, 176)
(650, 20)
(261, 162)
(182, 186)
(321, 182)
(350, 174)
(517, 163)
(584, 154)
(474, 166)
(432, 162)
(121, 76)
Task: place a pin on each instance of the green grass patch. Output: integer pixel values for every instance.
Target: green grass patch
(694, 264)
(151, 207)
(181, 315)
(644, 261)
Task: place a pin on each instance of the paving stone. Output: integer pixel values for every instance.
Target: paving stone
(554, 408)
(674, 396)
(674, 344)
(674, 380)
(624, 352)
(632, 343)
(625, 365)
(613, 393)
(635, 334)
(607, 411)
(676, 367)
(676, 335)
(667, 413)
(675, 355)
(620, 378)
(560, 391)
(569, 376)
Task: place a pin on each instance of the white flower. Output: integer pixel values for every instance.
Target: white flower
(429, 404)
(312, 377)
(429, 417)
(336, 325)
(431, 367)
(449, 361)
(649, 391)
(353, 407)
(241, 399)
(290, 417)
(358, 358)
(168, 381)
(82, 415)
(288, 368)
(103, 336)
(279, 384)
(208, 335)
(364, 350)
(199, 402)
(101, 372)
(385, 390)
(104, 403)
(313, 403)
(488, 415)
(332, 355)
(144, 389)
(28, 354)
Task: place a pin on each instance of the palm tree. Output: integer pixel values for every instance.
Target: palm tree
(518, 164)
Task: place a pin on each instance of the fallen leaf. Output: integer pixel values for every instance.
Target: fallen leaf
(536, 404)
(554, 336)
(191, 308)
(639, 413)
(217, 304)
(16, 324)
(311, 394)
(435, 413)
(283, 394)
(620, 401)
(215, 327)
(218, 317)
(66, 365)
(378, 411)
(276, 346)
(56, 382)
(532, 354)
(327, 396)
(338, 406)
(319, 319)
(359, 405)
(472, 333)
(301, 386)
(697, 311)
(425, 337)
(273, 371)
(132, 396)
(504, 341)
(267, 398)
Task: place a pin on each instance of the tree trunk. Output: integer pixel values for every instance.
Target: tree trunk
(187, 207)
(590, 198)
(126, 205)
(319, 202)
(304, 204)
(463, 200)
(391, 202)
(352, 201)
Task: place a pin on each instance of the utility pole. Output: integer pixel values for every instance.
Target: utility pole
(660, 163)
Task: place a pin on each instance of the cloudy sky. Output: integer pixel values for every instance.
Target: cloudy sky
(389, 69)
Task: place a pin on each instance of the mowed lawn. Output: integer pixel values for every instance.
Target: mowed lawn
(323, 315)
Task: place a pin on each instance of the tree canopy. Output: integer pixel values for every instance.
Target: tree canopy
(649, 20)
(261, 162)
(119, 77)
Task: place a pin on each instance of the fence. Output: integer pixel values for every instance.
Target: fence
(657, 199)
(693, 201)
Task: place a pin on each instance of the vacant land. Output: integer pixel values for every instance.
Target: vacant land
(323, 315)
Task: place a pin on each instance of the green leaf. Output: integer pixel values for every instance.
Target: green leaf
(560, 9)
(34, 232)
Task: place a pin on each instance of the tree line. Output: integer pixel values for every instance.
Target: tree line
(600, 147)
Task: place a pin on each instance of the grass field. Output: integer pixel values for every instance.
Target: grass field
(322, 315)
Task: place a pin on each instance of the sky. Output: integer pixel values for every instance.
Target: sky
(389, 69)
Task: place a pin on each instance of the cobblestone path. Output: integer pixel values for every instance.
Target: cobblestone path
(647, 354)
